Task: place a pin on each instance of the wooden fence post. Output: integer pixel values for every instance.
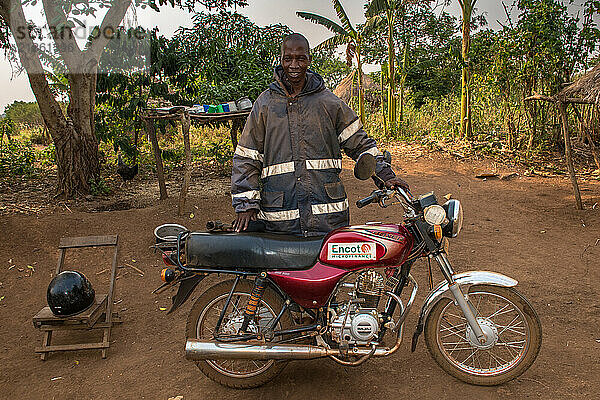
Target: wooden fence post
(562, 107)
(185, 128)
(157, 158)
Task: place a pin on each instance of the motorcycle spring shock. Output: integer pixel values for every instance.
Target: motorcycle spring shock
(257, 291)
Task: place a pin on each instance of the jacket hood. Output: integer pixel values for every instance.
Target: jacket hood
(314, 83)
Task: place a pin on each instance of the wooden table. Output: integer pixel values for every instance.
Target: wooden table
(237, 119)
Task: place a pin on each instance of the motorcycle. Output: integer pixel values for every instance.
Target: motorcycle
(341, 297)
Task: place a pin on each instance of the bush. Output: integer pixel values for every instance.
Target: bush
(98, 187)
(47, 156)
(38, 136)
(17, 159)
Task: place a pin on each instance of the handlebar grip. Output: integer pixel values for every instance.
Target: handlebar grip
(365, 202)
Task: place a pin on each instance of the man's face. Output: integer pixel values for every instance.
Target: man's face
(295, 61)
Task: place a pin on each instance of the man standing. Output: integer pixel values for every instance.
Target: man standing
(287, 164)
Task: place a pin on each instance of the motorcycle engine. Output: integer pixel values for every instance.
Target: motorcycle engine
(358, 321)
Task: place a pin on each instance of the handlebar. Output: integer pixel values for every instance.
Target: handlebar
(367, 200)
(403, 195)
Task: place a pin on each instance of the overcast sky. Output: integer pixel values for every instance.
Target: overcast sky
(262, 12)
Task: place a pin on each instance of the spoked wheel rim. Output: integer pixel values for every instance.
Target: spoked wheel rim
(499, 318)
(208, 321)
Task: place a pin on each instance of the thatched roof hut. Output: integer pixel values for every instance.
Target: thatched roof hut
(348, 88)
(585, 90)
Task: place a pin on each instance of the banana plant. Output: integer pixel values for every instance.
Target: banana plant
(344, 34)
(467, 7)
(389, 11)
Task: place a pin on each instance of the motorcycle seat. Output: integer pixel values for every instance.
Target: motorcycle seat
(251, 251)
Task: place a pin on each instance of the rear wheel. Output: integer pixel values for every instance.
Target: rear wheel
(510, 323)
(202, 320)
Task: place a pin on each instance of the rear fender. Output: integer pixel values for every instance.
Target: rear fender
(187, 285)
(465, 280)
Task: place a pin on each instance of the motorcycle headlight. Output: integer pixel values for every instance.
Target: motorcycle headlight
(434, 215)
(454, 214)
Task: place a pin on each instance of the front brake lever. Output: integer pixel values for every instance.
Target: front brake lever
(384, 197)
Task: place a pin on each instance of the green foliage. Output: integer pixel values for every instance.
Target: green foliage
(39, 135)
(17, 159)
(98, 187)
(7, 128)
(47, 156)
(24, 114)
(222, 57)
(219, 150)
(329, 66)
(123, 90)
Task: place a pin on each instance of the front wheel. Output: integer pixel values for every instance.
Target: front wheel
(510, 323)
(202, 320)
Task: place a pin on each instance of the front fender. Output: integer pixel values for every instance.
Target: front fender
(465, 280)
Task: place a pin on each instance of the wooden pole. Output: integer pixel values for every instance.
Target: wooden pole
(185, 128)
(562, 107)
(585, 132)
(157, 158)
(237, 125)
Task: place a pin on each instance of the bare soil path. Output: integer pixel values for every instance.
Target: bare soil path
(525, 227)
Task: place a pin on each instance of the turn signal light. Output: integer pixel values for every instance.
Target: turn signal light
(437, 231)
(167, 275)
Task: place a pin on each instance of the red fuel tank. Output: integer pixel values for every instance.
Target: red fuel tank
(377, 245)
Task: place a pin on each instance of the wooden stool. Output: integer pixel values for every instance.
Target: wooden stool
(98, 316)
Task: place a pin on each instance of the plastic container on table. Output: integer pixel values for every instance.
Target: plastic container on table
(232, 106)
(244, 103)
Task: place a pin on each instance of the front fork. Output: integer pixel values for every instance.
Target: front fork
(459, 296)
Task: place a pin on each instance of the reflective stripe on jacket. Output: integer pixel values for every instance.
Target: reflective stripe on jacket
(289, 158)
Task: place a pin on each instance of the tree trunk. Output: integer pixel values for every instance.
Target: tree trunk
(465, 98)
(361, 90)
(402, 81)
(385, 126)
(392, 121)
(77, 145)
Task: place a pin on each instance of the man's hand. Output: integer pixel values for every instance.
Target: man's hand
(242, 219)
(396, 183)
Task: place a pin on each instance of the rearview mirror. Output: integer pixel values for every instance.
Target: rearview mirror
(387, 157)
(365, 166)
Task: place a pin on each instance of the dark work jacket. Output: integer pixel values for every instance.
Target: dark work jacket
(289, 158)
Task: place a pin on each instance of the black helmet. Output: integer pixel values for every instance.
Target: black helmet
(70, 293)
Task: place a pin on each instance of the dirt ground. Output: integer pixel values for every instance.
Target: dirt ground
(525, 227)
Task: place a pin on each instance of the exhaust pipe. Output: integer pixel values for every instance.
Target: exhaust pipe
(208, 350)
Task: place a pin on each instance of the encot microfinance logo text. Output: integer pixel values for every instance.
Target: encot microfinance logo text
(352, 251)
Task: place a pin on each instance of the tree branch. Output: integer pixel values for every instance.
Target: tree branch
(540, 97)
(111, 20)
(30, 60)
(62, 34)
